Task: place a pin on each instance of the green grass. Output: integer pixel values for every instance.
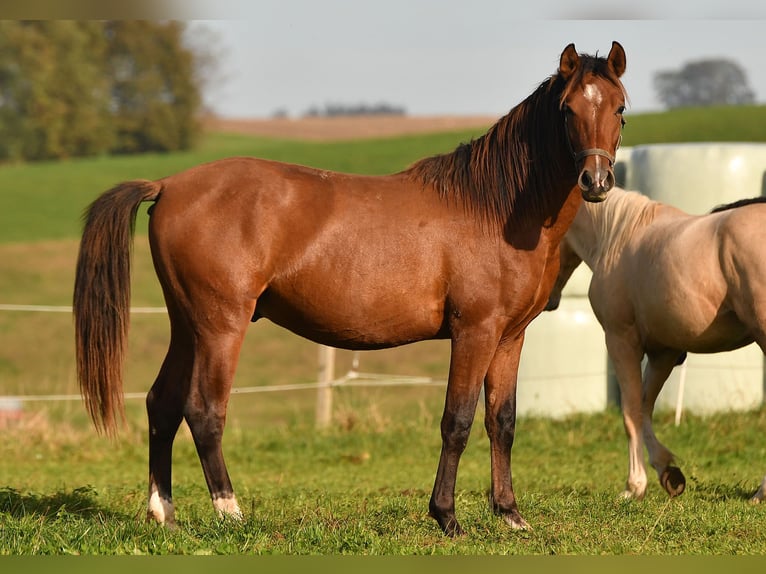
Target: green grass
(46, 200)
(714, 124)
(362, 486)
(365, 491)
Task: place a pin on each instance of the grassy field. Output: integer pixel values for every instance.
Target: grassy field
(364, 490)
(362, 486)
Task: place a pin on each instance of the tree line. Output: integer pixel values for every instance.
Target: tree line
(81, 88)
(334, 110)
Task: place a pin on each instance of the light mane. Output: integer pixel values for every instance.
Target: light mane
(616, 221)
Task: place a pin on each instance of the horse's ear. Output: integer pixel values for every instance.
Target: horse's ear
(569, 61)
(616, 59)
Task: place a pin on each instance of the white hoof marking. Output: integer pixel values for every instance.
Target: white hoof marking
(227, 507)
(161, 509)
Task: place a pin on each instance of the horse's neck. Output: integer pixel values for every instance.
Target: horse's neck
(606, 229)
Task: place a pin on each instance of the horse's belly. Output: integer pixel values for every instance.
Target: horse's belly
(706, 335)
(358, 321)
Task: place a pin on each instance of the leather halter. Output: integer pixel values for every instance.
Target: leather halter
(590, 151)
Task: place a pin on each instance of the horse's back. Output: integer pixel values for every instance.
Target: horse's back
(334, 257)
(351, 261)
(694, 279)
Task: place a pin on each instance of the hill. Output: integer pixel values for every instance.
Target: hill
(346, 127)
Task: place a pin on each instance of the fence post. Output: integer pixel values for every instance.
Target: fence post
(324, 392)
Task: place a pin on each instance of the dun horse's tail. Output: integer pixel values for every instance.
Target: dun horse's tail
(102, 298)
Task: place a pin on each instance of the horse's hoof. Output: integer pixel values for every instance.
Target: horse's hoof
(515, 521)
(453, 529)
(169, 523)
(673, 481)
(450, 526)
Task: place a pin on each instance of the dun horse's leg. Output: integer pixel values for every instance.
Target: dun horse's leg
(658, 369)
(216, 356)
(761, 494)
(626, 358)
(468, 367)
(164, 406)
(500, 422)
(759, 333)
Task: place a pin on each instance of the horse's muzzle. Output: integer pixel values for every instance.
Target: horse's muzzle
(597, 175)
(595, 183)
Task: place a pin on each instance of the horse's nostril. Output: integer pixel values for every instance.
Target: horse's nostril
(585, 181)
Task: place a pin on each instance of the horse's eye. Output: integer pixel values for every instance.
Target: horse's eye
(621, 110)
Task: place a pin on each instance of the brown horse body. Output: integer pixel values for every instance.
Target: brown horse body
(666, 282)
(461, 246)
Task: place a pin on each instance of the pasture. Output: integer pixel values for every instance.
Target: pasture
(360, 487)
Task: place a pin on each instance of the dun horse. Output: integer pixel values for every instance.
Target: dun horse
(461, 246)
(666, 282)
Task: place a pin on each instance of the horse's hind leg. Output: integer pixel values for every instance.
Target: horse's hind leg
(215, 359)
(164, 406)
(658, 369)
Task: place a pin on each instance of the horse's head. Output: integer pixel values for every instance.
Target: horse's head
(593, 102)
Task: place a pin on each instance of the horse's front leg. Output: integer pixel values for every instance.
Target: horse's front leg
(500, 422)
(658, 369)
(471, 353)
(626, 354)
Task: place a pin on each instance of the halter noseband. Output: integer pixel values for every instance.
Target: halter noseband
(590, 151)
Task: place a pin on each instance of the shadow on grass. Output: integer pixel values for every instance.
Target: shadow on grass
(78, 502)
(719, 492)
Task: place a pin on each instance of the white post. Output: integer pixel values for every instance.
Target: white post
(324, 392)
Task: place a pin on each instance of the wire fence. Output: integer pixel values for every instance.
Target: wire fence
(353, 378)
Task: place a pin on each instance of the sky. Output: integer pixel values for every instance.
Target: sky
(464, 57)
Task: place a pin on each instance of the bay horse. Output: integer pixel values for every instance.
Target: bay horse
(666, 283)
(460, 246)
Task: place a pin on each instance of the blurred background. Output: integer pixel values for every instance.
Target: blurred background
(357, 87)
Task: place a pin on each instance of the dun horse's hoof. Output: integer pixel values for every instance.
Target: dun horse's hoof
(633, 493)
(673, 480)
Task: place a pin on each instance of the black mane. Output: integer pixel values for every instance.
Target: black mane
(738, 203)
(513, 169)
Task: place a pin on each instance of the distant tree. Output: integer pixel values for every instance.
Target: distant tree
(76, 88)
(154, 97)
(52, 90)
(207, 49)
(334, 110)
(704, 83)
(280, 113)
